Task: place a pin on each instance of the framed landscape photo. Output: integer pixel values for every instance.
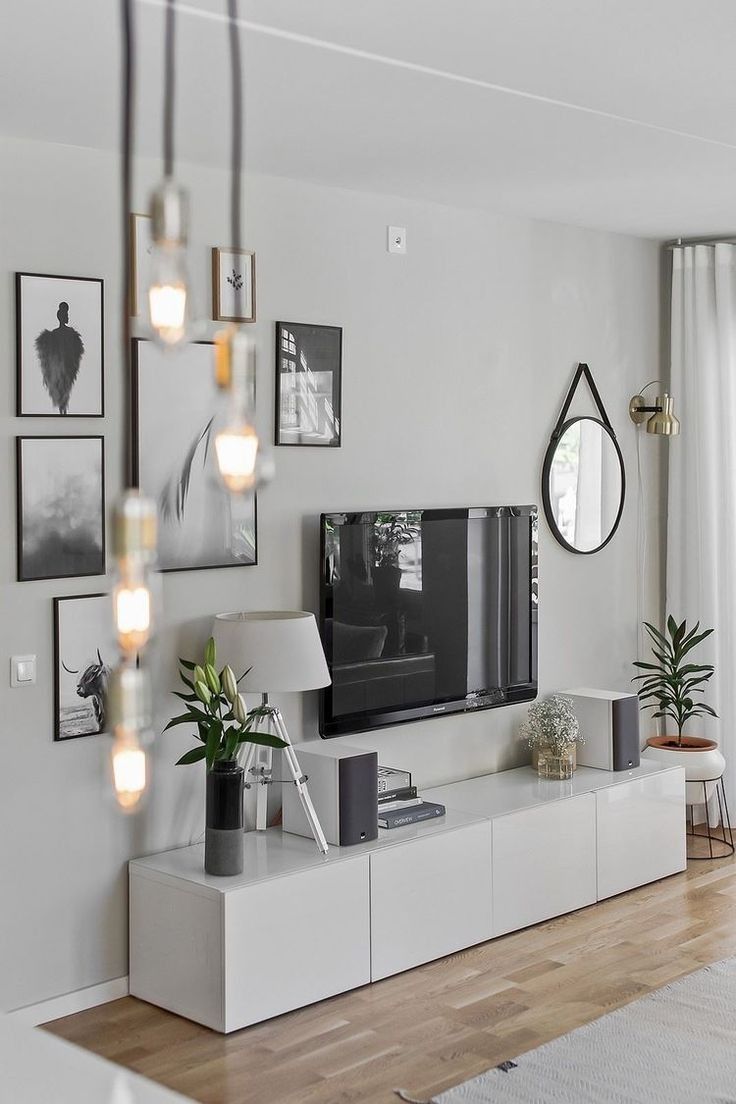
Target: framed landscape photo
(60, 360)
(233, 285)
(85, 650)
(175, 402)
(61, 507)
(308, 385)
(141, 250)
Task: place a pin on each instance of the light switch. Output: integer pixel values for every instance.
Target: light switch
(22, 670)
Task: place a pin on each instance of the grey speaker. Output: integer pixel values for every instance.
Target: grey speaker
(343, 786)
(609, 722)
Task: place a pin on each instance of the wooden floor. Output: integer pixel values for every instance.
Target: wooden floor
(438, 1025)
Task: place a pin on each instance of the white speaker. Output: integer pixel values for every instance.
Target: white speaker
(343, 786)
(609, 723)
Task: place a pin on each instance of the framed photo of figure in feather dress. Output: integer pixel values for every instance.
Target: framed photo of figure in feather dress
(59, 346)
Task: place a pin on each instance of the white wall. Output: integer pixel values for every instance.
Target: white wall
(456, 360)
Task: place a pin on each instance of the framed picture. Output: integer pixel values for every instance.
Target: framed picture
(85, 650)
(233, 285)
(141, 250)
(175, 401)
(59, 346)
(308, 384)
(61, 507)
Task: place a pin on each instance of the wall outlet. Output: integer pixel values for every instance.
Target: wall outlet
(397, 239)
(22, 670)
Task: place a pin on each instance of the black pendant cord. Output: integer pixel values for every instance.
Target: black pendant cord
(169, 89)
(236, 153)
(128, 110)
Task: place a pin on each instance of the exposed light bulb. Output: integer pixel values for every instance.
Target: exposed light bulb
(168, 291)
(242, 460)
(135, 587)
(129, 770)
(129, 711)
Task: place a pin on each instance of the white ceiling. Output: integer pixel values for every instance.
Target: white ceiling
(618, 114)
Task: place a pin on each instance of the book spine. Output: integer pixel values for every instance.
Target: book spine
(402, 793)
(392, 780)
(414, 816)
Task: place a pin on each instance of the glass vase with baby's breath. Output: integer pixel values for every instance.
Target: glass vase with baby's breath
(552, 732)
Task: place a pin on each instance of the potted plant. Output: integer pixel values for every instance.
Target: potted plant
(552, 731)
(223, 724)
(673, 687)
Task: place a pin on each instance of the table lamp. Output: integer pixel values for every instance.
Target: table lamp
(279, 650)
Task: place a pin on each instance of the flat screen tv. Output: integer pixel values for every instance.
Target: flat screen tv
(426, 612)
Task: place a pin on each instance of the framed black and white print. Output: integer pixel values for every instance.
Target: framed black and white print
(175, 402)
(85, 650)
(308, 384)
(61, 507)
(59, 346)
(233, 285)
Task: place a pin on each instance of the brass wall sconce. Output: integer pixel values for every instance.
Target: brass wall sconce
(660, 418)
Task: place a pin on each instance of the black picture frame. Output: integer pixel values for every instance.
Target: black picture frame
(19, 341)
(137, 445)
(305, 330)
(99, 566)
(92, 677)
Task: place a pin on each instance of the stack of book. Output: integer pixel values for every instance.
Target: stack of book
(399, 803)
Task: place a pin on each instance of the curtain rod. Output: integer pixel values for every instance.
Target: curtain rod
(724, 239)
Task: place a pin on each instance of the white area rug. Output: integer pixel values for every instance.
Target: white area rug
(675, 1046)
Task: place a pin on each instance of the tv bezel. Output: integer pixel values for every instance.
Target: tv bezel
(331, 727)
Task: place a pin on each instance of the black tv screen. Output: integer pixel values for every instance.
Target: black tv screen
(426, 612)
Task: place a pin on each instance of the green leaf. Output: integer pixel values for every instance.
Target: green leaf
(184, 697)
(213, 743)
(186, 681)
(186, 664)
(192, 756)
(693, 643)
(210, 654)
(203, 731)
(246, 672)
(183, 718)
(265, 739)
(231, 743)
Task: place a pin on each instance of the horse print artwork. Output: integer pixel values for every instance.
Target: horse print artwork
(59, 326)
(84, 652)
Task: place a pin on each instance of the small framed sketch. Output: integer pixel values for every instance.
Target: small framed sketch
(233, 285)
(59, 346)
(308, 384)
(141, 250)
(85, 650)
(61, 507)
(200, 524)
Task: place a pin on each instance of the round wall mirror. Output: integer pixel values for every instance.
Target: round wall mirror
(583, 485)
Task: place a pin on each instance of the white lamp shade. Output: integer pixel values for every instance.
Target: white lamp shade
(282, 648)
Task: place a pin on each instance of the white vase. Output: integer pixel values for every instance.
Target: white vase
(701, 759)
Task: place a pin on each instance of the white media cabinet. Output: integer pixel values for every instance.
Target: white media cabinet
(297, 926)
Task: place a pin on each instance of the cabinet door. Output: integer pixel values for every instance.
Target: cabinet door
(294, 940)
(641, 831)
(430, 897)
(543, 862)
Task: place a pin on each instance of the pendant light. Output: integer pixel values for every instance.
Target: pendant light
(244, 462)
(168, 291)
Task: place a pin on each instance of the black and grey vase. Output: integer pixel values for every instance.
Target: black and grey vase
(223, 837)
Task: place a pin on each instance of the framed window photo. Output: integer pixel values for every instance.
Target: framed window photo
(59, 346)
(308, 384)
(233, 285)
(85, 649)
(141, 250)
(61, 507)
(175, 401)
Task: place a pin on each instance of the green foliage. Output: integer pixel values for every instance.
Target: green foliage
(391, 532)
(218, 712)
(668, 685)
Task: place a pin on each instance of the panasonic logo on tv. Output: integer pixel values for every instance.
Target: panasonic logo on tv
(438, 709)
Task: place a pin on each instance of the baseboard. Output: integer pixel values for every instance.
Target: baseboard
(69, 1003)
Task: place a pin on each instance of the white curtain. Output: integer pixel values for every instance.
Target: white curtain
(701, 520)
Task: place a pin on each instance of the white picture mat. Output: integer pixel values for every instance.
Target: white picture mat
(39, 301)
(84, 625)
(232, 304)
(176, 398)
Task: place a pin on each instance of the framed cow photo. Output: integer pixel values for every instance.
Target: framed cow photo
(85, 649)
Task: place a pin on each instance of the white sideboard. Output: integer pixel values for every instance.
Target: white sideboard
(297, 926)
